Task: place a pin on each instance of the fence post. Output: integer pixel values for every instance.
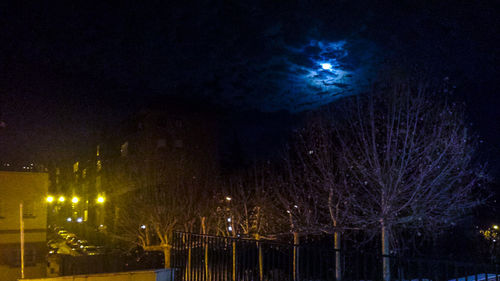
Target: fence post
(338, 268)
(296, 241)
(189, 273)
(260, 257)
(386, 267)
(205, 244)
(234, 258)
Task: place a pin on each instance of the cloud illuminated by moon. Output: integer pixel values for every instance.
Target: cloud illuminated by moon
(301, 77)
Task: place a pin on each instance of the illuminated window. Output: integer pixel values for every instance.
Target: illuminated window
(124, 149)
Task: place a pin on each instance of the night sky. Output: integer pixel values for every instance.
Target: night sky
(68, 72)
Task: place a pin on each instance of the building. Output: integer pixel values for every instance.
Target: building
(158, 145)
(30, 189)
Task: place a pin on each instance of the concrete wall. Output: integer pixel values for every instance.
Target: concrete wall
(8, 273)
(17, 187)
(31, 189)
(147, 275)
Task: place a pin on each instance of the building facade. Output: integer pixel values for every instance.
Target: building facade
(30, 189)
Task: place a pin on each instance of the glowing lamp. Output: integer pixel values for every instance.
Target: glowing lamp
(326, 66)
(50, 199)
(495, 226)
(100, 199)
(68, 219)
(61, 199)
(75, 200)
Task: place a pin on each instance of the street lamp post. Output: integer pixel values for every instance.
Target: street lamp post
(21, 232)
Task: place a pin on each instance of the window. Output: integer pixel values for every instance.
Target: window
(178, 144)
(28, 209)
(2, 209)
(178, 123)
(160, 143)
(29, 257)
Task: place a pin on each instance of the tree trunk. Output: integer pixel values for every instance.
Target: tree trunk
(338, 268)
(296, 241)
(166, 253)
(386, 266)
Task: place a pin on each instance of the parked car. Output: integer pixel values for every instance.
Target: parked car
(72, 242)
(91, 250)
(58, 228)
(76, 252)
(63, 233)
(51, 244)
(83, 243)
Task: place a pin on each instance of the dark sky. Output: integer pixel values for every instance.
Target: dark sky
(67, 71)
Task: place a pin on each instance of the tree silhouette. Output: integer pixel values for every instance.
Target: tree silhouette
(410, 157)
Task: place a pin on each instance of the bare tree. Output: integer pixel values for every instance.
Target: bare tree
(150, 218)
(247, 209)
(316, 196)
(150, 213)
(246, 202)
(298, 204)
(298, 199)
(198, 201)
(410, 157)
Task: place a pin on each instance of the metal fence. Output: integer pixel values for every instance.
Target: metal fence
(210, 258)
(198, 257)
(203, 257)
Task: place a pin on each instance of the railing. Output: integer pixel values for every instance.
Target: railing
(210, 258)
(198, 257)
(204, 257)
